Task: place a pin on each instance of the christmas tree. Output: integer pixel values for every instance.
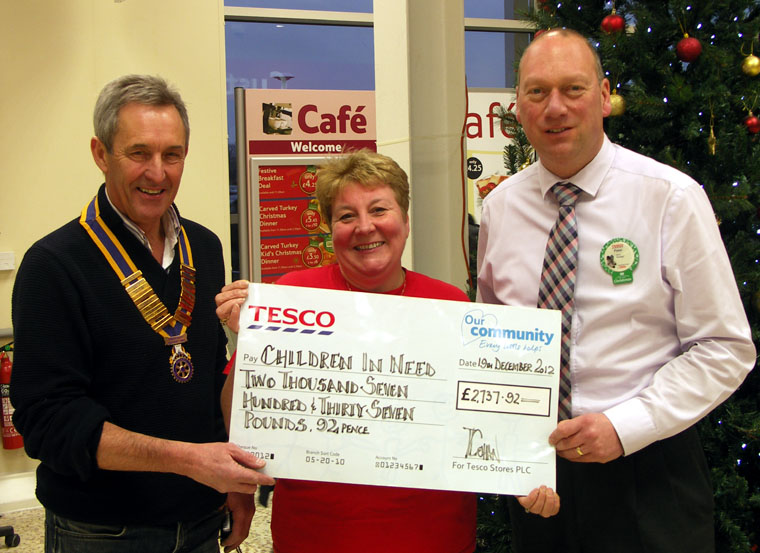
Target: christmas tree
(686, 91)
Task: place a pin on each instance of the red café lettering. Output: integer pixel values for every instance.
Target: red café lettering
(474, 123)
(331, 124)
(291, 315)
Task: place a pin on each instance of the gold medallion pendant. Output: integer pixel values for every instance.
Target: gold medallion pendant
(181, 364)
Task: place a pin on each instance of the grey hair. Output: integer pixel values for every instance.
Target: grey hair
(140, 89)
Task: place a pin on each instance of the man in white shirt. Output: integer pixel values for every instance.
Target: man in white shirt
(653, 349)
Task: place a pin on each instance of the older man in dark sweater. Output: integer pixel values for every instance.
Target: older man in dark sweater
(119, 353)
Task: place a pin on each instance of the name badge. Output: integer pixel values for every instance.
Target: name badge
(619, 258)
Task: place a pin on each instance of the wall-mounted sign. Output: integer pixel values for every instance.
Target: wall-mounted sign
(309, 122)
(486, 140)
(291, 233)
(289, 133)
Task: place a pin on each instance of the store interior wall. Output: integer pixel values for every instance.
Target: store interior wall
(55, 58)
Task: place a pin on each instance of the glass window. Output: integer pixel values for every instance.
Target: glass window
(497, 9)
(361, 6)
(279, 55)
(335, 57)
(319, 57)
(490, 58)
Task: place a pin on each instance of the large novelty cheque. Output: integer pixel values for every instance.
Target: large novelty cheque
(374, 389)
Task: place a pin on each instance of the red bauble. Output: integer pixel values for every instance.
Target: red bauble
(613, 23)
(752, 123)
(688, 49)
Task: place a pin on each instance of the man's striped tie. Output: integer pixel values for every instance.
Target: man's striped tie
(558, 280)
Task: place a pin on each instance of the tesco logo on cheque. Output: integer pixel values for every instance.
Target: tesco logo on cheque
(271, 318)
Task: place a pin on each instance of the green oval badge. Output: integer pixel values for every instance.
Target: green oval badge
(619, 258)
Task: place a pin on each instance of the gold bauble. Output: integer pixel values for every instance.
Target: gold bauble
(751, 65)
(618, 104)
(712, 143)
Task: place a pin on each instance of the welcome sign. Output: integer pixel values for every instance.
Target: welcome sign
(309, 122)
(288, 134)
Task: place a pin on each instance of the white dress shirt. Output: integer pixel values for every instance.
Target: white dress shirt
(654, 355)
(171, 224)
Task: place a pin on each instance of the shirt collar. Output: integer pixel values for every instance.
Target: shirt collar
(589, 179)
(170, 223)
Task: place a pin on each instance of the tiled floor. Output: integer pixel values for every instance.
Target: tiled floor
(29, 525)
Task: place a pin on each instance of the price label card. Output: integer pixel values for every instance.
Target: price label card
(342, 386)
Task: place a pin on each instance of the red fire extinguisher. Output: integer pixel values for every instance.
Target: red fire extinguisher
(11, 438)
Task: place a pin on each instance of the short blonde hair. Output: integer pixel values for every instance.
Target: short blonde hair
(365, 168)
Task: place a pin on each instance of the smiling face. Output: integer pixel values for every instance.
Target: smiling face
(369, 232)
(561, 102)
(144, 169)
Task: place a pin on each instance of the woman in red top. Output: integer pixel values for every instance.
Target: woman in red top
(364, 197)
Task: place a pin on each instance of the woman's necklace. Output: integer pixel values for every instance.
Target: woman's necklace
(403, 286)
